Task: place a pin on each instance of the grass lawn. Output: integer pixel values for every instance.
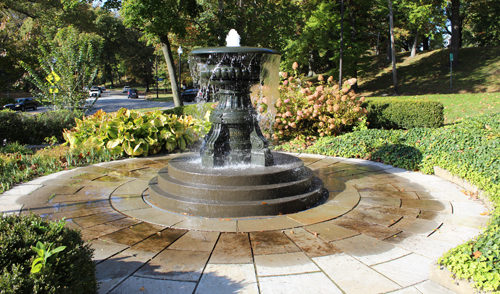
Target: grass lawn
(459, 106)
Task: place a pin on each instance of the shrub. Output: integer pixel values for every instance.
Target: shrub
(68, 271)
(134, 133)
(31, 129)
(307, 111)
(404, 114)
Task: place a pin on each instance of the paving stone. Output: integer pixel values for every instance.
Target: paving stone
(207, 224)
(380, 201)
(155, 216)
(104, 249)
(407, 270)
(228, 278)
(88, 176)
(136, 187)
(453, 195)
(412, 187)
(232, 248)
(369, 250)
(23, 189)
(77, 213)
(311, 245)
(113, 179)
(284, 264)
(40, 209)
(317, 283)
(329, 231)
(454, 234)
(382, 219)
(347, 199)
(407, 290)
(405, 212)
(318, 214)
(429, 287)
(353, 276)
(9, 209)
(421, 245)
(389, 194)
(469, 208)
(417, 225)
(271, 242)
(369, 229)
(52, 190)
(319, 164)
(96, 169)
(95, 192)
(127, 166)
(132, 235)
(267, 224)
(97, 219)
(100, 184)
(154, 244)
(196, 241)
(435, 205)
(124, 173)
(460, 220)
(172, 264)
(368, 187)
(116, 269)
(128, 202)
(153, 286)
(98, 231)
(353, 171)
(333, 184)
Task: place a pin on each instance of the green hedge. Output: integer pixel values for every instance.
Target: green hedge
(469, 149)
(32, 129)
(68, 271)
(195, 110)
(395, 113)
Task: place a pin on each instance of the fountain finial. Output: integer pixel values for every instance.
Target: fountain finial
(233, 39)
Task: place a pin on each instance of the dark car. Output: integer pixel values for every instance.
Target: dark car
(133, 93)
(189, 95)
(22, 104)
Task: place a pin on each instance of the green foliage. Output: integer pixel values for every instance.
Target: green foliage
(43, 254)
(395, 113)
(33, 129)
(307, 111)
(71, 271)
(21, 167)
(15, 147)
(468, 149)
(73, 57)
(478, 259)
(134, 133)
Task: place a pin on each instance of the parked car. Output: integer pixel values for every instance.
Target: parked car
(102, 89)
(133, 93)
(22, 104)
(190, 95)
(125, 89)
(95, 92)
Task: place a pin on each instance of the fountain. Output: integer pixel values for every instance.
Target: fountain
(236, 175)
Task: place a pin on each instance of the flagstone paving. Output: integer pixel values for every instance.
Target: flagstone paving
(377, 231)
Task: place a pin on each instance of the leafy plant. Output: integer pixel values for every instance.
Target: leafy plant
(71, 272)
(43, 255)
(134, 133)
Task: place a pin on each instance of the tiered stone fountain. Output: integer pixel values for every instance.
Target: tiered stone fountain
(237, 176)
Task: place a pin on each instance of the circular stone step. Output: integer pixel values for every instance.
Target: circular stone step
(186, 187)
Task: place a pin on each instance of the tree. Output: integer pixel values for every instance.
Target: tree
(393, 50)
(456, 27)
(68, 64)
(157, 20)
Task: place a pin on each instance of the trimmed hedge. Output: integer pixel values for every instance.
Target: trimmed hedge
(29, 129)
(469, 149)
(395, 113)
(197, 111)
(69, 271)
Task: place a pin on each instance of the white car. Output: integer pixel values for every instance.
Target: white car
(95, 91)
(125, 89)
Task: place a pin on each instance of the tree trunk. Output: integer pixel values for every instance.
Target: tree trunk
(341, 41)
(169, 59)
(426, 44)
(377, 49)
(393, 49)
(388, 53)
(455, 31)
(352, 20)
(414, 46)
(312, 66)
(222, 37)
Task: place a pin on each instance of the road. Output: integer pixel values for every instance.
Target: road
(113, 100)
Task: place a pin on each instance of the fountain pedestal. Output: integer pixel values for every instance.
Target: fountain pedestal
(235, 136)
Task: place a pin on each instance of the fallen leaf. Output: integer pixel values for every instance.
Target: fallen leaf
(477, 254)
(485, 213)
(264, 202)
(315, 234)
(142, 289)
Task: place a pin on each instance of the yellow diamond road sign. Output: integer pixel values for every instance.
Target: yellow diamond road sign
(53, 78)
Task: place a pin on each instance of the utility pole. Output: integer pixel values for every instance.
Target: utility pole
(156, 68)
(341, 41)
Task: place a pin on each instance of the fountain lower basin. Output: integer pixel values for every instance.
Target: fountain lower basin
(187, 187)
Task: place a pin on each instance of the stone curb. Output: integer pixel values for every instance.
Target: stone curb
(442, 276)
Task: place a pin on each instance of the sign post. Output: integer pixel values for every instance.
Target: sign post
(451, 71)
